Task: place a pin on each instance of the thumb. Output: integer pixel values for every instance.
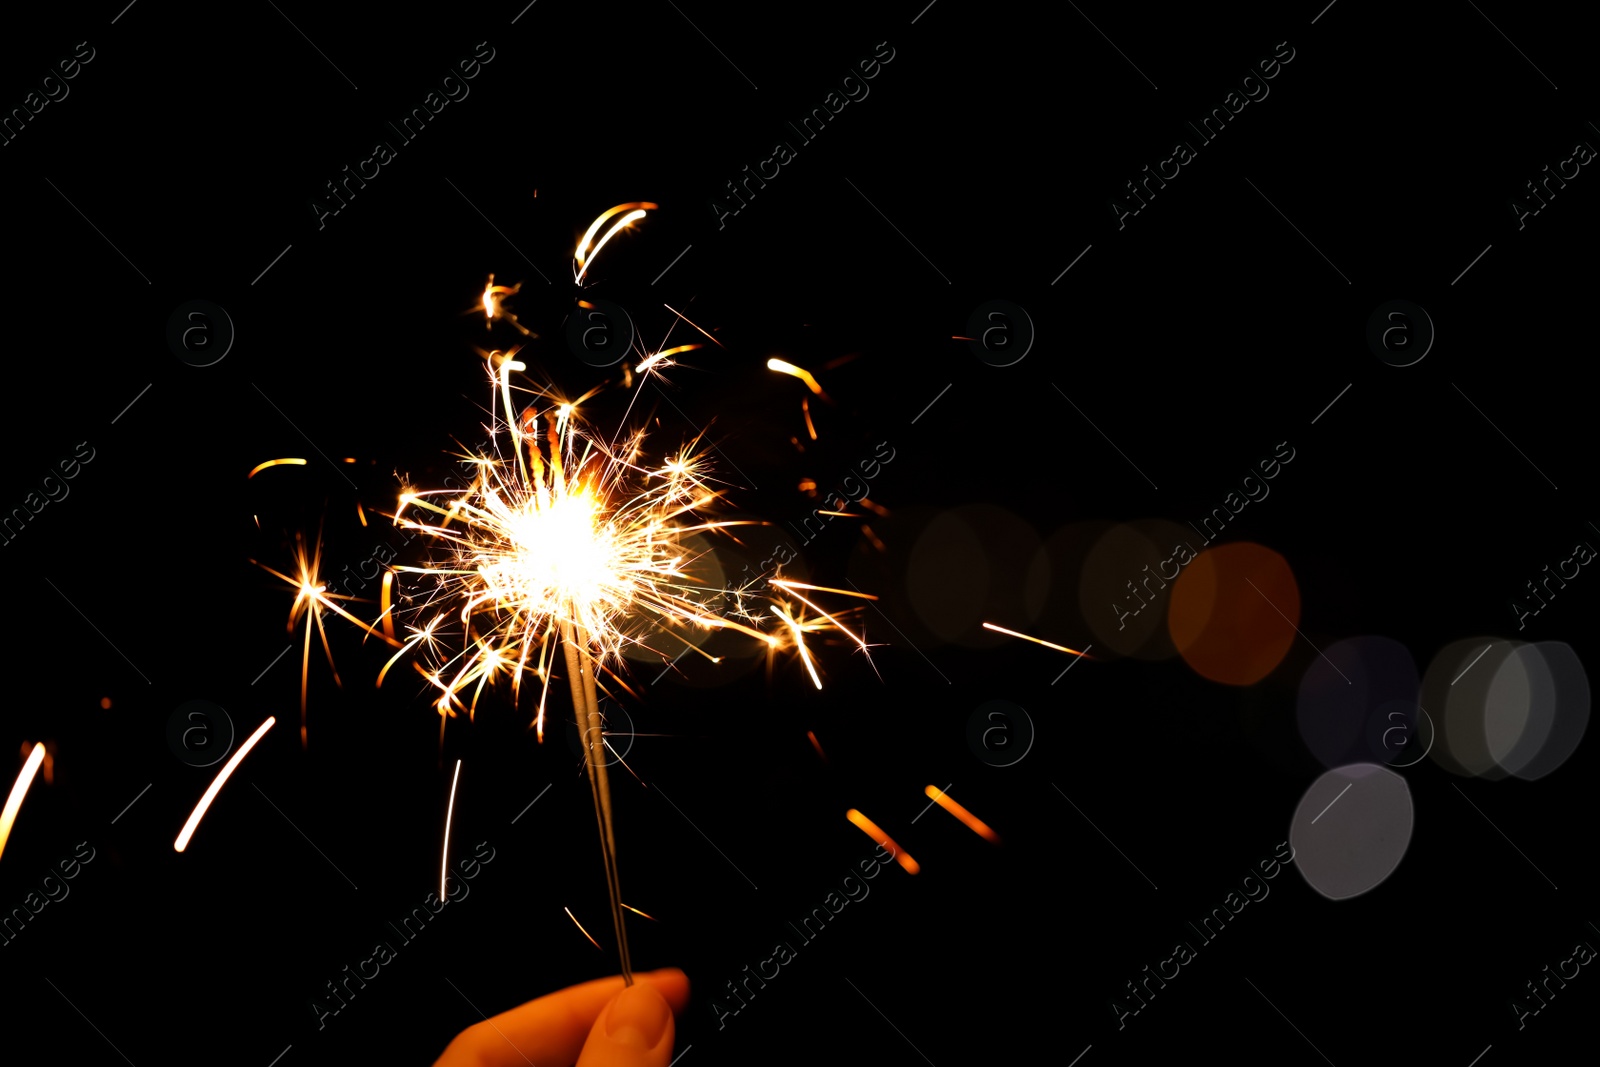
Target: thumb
(635, 1029)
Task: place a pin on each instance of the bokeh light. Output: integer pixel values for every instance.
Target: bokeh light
(1351, 829)
(1233, 612)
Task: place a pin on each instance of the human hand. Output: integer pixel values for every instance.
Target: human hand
(595, 1024)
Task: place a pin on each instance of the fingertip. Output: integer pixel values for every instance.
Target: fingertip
(673, 984)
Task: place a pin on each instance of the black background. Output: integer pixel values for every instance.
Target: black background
(186, 158)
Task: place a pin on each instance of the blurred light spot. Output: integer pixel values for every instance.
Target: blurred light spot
(1359, 703)
(1233, 612)
(1351, 829)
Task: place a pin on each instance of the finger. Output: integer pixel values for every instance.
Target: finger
(634, 1030)
(550, 1031)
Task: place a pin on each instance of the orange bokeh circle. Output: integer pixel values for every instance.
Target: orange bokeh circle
(1233, 612)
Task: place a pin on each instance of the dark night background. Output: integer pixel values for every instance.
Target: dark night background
(1196, 338)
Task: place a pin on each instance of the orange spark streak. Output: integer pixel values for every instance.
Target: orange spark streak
(686, 318)
(870, 828)
(664, 357)
(804, 375)
(579, 925)
(259, 467)
(975, 824)
(444, 856)
(361, 513)
(1035, 640)
(817, 745)
(636, 911)
(805, 409)
(8, 817)
(216, 785)
(583, 255)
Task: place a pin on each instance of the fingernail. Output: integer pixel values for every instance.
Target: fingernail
(639, 1016)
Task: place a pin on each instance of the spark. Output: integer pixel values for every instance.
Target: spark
(579, 925)
(686, 318)
(804, 375)
(663, 358)
(583, 256)
(492, 303)
(216, 785)
(449, 812)
(1035, 640)
(361, 513)
(259, 467)
(975, 824)
(636, 911)
(805, 409)
(817, 745)
(870, 828)
(49, 768)
(785, 583)
(310, 598)
(8, 817)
